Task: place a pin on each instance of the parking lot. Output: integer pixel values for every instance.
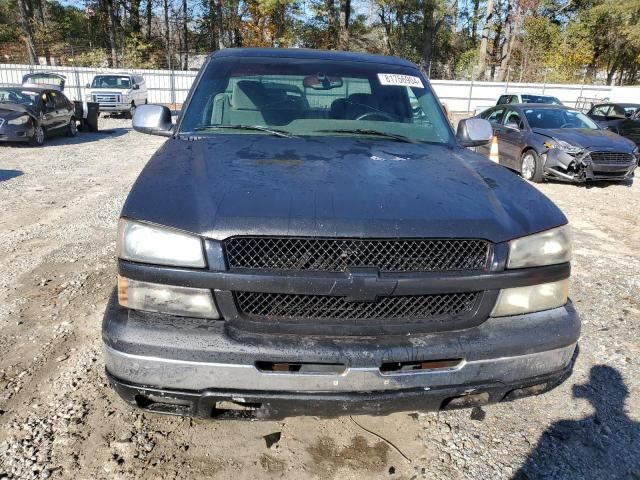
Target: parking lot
(58, 418)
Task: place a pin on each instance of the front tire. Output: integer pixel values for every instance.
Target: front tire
(531, 167)
(72, 129)
(37, 139)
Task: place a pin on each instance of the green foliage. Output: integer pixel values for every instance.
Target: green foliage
(528, 40)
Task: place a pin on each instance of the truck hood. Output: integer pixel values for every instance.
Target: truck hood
(588, 138)
(241, 184)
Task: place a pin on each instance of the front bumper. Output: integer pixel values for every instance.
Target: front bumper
(192, 366)
(15, 133)
(559, 165)
(115, 107)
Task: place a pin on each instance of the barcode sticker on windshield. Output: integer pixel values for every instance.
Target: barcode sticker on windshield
(400, 80)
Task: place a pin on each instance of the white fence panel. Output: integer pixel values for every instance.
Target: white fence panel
(172, 86)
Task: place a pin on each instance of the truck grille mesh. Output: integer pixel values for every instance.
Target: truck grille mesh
(612, 158)
(300, 307)
(337, 255)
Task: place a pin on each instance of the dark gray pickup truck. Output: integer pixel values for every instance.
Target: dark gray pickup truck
(313, 239)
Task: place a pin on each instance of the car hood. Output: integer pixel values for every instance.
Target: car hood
(588, 138)
(8, 110)
(229, 185)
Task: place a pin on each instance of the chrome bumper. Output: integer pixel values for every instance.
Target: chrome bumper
(196, 376)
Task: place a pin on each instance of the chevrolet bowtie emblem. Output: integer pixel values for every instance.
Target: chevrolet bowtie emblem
(363, 284)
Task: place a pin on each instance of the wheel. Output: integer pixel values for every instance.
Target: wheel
(132, 110)
(531, 167)
(72, 129)
(37, 139)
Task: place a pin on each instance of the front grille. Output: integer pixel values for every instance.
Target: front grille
(274, 306)
(106, 98)
(612, 158)
(337, 255)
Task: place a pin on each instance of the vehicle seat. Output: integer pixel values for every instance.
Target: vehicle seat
(246, 101)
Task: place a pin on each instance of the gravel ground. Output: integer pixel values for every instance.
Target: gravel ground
(59, 419)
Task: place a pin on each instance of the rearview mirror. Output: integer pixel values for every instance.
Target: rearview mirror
(321, 81)
(473, 132)
(153, 119)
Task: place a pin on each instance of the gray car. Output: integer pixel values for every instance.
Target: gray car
(557, 142)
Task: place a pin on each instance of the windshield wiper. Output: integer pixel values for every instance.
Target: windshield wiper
(260, 128)
(367, 131)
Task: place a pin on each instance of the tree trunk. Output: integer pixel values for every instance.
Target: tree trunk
(28, 34)
(213, 26)
(330, 7)
(220, 20)
(135, 16)
(345, 13)
(167, 33)
(278, 17)
(484, 43)
(40, 5)
(474, 22)
(149, 14)
(185, 33)
(512, 19)
(429, 29)
(111, 25)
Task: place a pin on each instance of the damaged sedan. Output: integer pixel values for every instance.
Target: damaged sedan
(555, 142)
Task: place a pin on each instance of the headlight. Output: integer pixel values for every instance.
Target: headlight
(545, 248)
(21, 120)
(168, 299)
(567, 147)
(141, 242)
(534, 298)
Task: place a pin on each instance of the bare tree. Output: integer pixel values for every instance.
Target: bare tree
(28, 34)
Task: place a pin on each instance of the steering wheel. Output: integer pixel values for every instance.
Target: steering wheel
(381, 115)
(566, 125)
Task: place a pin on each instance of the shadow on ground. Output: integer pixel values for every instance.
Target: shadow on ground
(603, 446)
(9, 174)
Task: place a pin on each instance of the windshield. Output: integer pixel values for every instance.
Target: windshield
(17, 95)
(558, 118)
(540, 99)
(319, 98)
(111, 81)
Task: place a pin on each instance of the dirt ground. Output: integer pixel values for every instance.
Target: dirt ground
(58, 418)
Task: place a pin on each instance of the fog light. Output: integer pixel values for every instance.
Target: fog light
(169, 299)
(534, 298)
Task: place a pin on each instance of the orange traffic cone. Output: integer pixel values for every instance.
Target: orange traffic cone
(493, 153)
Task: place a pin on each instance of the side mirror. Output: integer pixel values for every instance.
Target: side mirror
(611, 128)
(473, 132)
(153, 119)
(88, 85)
(136, 86)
